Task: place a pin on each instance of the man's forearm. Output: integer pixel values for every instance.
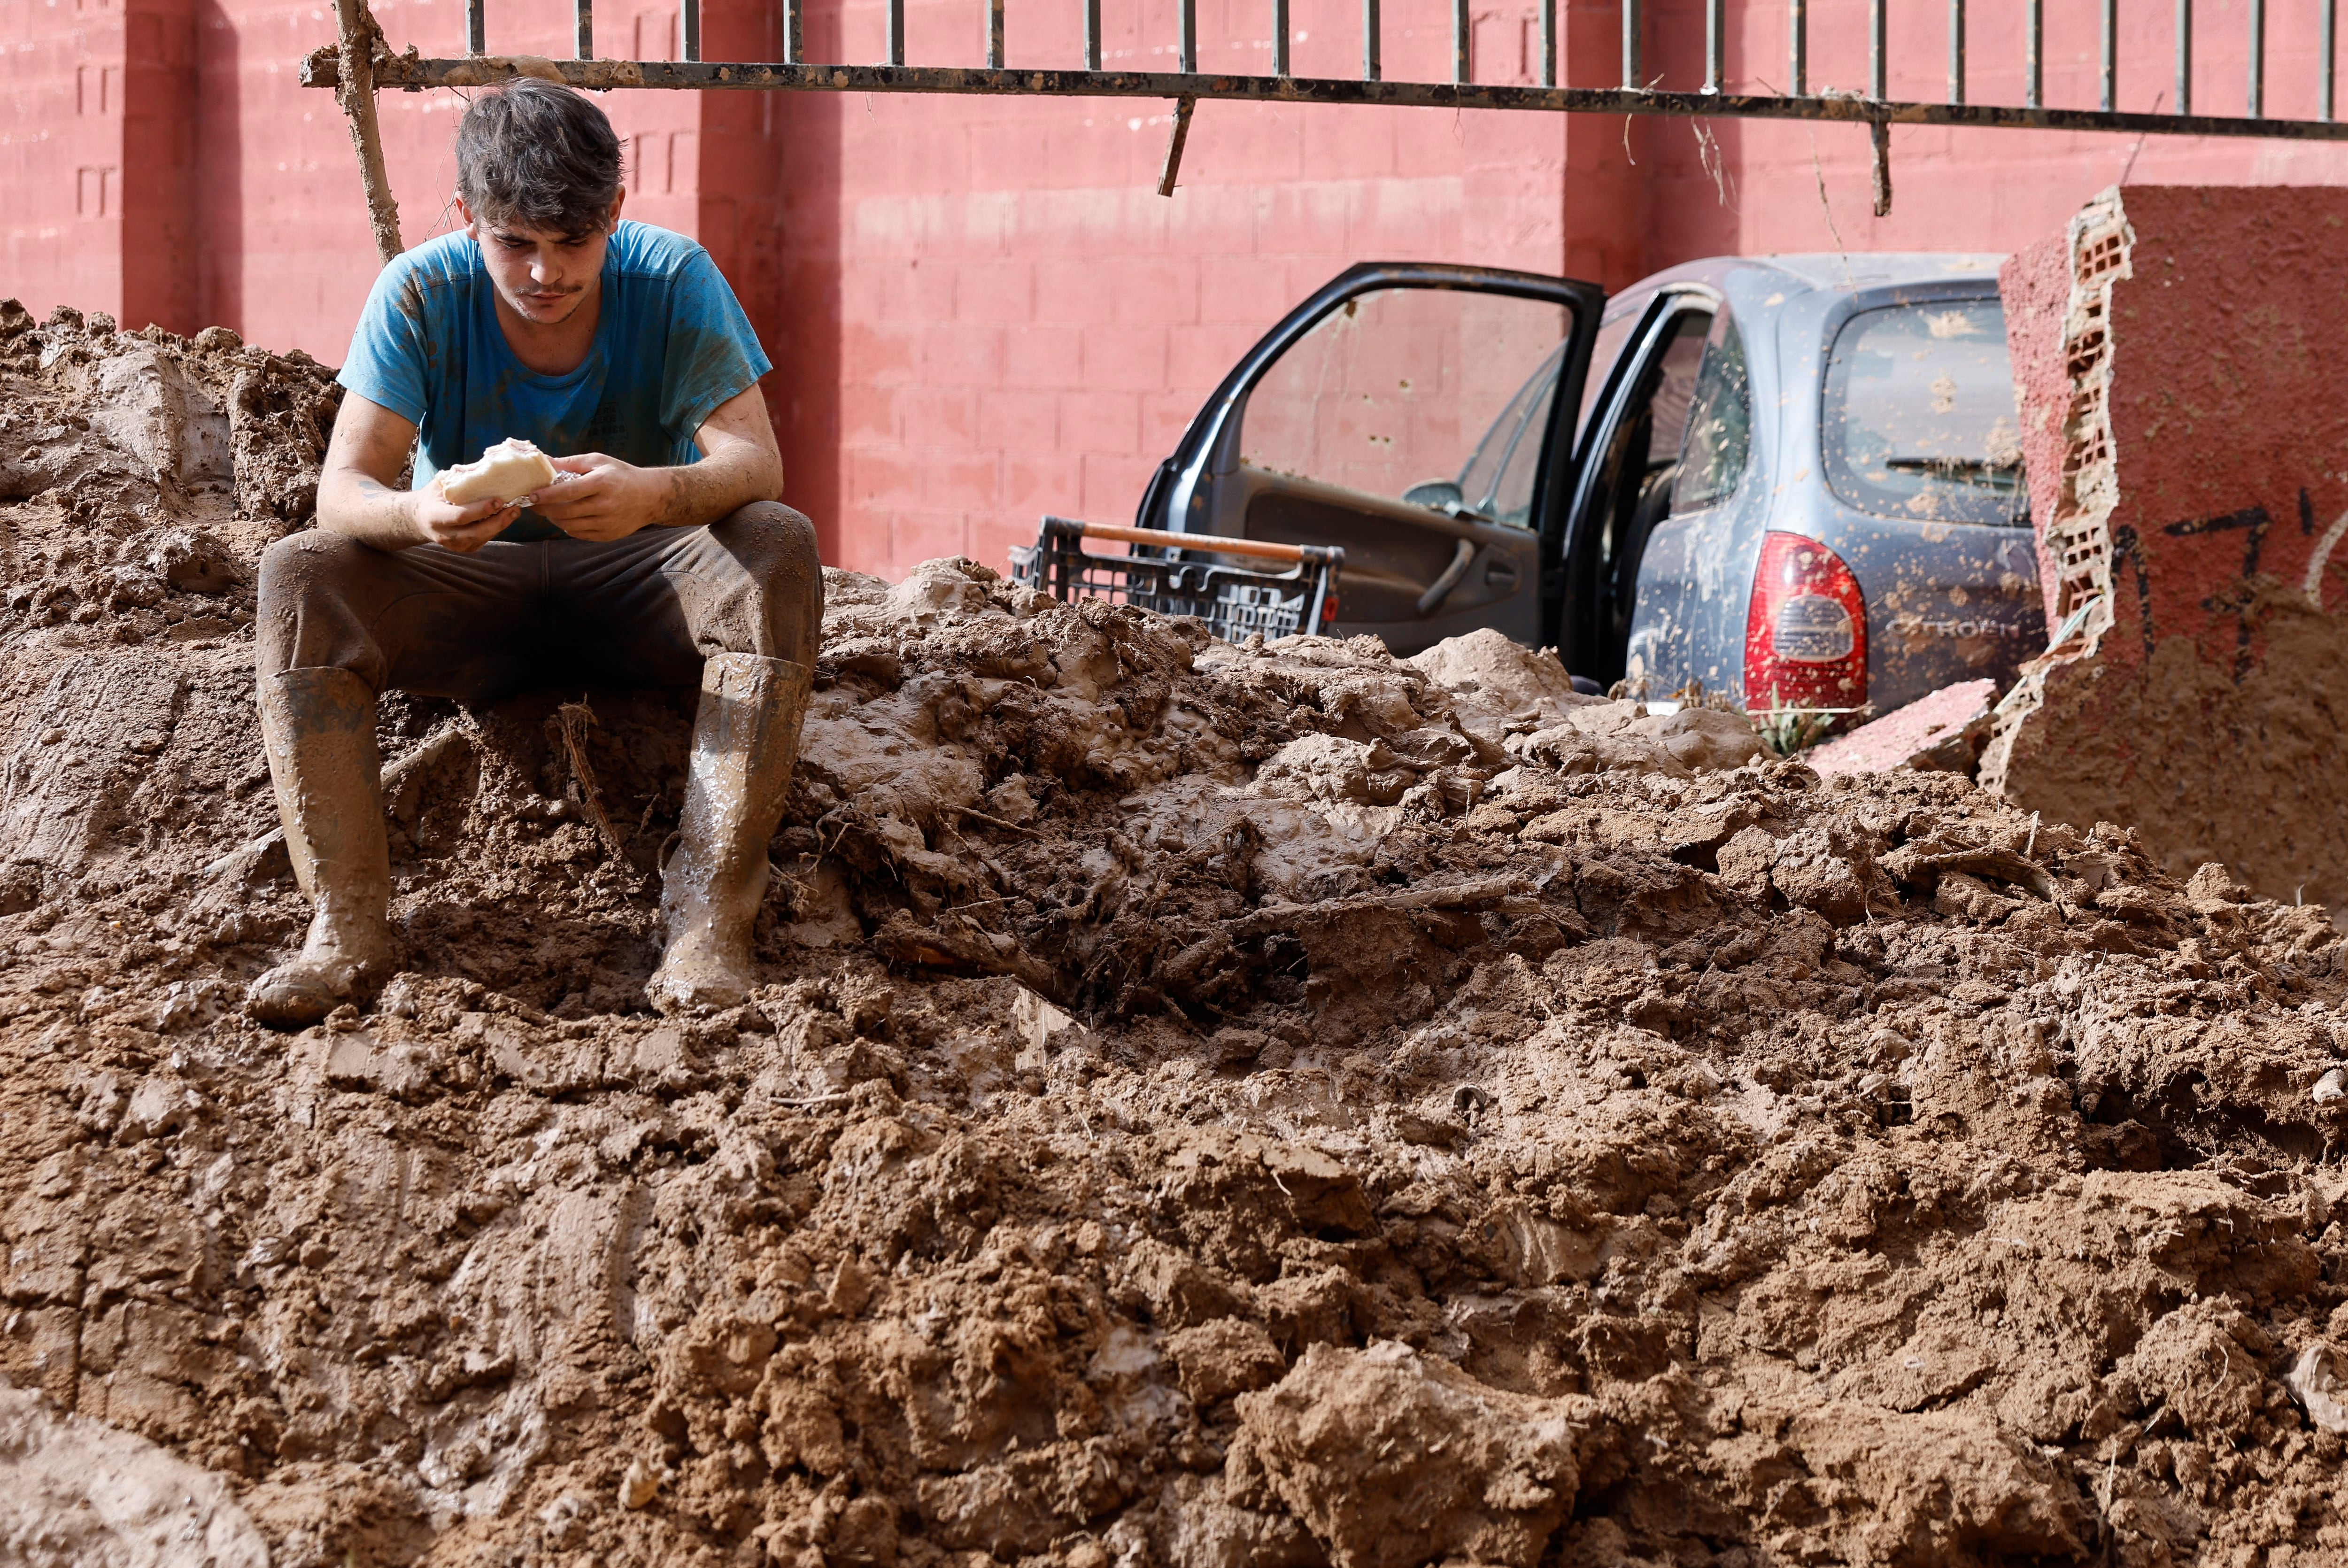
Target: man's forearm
(367, 509)
(720, 484)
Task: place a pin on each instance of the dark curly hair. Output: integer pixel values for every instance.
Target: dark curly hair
(535, 155)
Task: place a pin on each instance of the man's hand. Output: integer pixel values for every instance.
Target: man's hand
(595, 497)
(463, 529)
(602, 499)
(371, 444)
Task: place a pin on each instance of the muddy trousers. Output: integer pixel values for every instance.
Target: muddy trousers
(734, 608)
(561, 615)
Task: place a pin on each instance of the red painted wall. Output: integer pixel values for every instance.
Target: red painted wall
(980, 309)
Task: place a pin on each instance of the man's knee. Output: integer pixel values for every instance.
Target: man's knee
(777, 548)
(306, 616)
(301, 566)
(775, 544)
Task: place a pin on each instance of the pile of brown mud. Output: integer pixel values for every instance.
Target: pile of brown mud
(1211, 1105)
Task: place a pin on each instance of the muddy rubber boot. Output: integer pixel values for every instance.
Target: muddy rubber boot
(745, 739)
(318, 727)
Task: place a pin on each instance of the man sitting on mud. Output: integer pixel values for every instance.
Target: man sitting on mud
(658, 556)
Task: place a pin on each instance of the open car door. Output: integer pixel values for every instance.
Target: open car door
(1411, 414)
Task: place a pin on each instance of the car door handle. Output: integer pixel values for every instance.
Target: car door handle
(1440, 589)
(1501, 574)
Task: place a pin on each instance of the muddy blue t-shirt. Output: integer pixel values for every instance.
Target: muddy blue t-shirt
(671, 345)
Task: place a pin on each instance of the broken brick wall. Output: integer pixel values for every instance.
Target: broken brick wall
(2177, 353)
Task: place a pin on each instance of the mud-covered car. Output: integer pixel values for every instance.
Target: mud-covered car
(1794, 479)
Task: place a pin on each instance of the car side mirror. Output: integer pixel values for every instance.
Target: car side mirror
(1438, 495)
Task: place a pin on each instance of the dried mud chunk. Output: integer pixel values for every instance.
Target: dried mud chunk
(941, 589)
(1701, 739)
(723, 1348)
(1022, 1505)
(1500, 673)
(1814, 868)
(1963, 897)
(1200, 1521)
(80, 1492)
(2203, 1360)
(1937, 1489)
(1813, 872)
(2137, 905)
(1228, 1356)
(1561, 747)
(193, 562)
(1316, 768)
(278, 416)
(1233, 1174)
(356, 1060)
(1745, 861)
(163, 1104)
(1181, 1292)
(1393, 1460)
(65, 799)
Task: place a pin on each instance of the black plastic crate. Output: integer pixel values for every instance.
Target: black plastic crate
(1176, 575)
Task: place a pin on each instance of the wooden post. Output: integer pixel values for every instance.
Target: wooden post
(355, 86)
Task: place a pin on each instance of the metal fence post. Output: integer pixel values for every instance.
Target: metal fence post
(2330, 39)
(2256, 97)
(1875, 49)
(1633, 77)
(1279, 37)
(1797, 48)
(2185, 57)
(688, 28)
(2034, 92)
(1956, 51)
(1369, 40)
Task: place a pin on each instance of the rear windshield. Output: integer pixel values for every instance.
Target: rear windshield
(1919, 420)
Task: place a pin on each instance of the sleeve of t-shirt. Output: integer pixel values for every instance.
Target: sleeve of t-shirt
(713, 354)
(386, 362)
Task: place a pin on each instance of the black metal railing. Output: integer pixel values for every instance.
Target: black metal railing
(1187, 84)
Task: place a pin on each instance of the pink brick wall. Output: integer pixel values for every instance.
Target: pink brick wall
(288, 259)
(61, 139)
(980, 309)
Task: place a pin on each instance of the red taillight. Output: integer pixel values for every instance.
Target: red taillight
(1805, 634)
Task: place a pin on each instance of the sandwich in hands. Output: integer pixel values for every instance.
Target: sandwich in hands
(511, 469)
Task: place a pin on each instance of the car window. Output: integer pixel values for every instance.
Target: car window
(1498, 479)
(1720, 422)
(1919, 418)
(1612, 334)
(1388, 394)
(1675, 368)
(1511, 500)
